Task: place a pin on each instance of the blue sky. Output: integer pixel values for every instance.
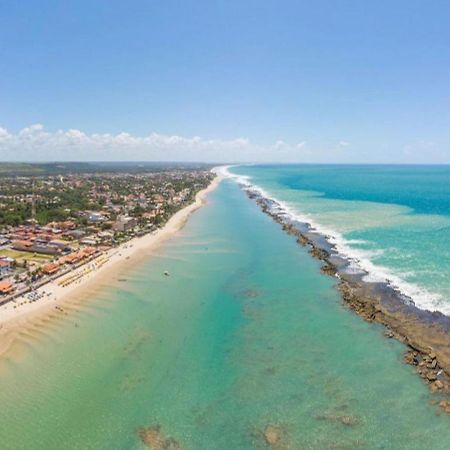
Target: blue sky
(306, 81)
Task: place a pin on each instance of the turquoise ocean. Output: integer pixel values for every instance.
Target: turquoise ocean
(245, 332)
(393, 222)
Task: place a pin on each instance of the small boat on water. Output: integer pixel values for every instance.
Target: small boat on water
(166, 273)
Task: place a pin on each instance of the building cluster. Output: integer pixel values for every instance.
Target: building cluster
(49, 224)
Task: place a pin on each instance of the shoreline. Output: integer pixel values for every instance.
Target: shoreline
(16, 316)
(426, 334)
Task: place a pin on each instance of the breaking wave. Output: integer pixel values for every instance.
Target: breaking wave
(360, 261)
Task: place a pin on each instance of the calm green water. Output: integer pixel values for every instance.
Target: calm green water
(245, 332)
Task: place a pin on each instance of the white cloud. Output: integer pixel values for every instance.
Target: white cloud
(34, 143)
(280, 145)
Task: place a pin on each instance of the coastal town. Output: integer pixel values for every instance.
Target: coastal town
(56, 227)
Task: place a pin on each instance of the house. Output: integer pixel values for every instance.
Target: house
(89, 241)
(63, 226)
(62, 245)
(5, 268)
(6, 287)
(75, 234)
(151, 214)
(158, 200)
(96, 217)
(105, 235)
(23, 246)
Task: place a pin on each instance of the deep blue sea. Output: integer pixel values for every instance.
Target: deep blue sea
(392, 221)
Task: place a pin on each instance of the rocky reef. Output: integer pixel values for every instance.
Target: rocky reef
(154, 438)
(274, 437)
(425, 333)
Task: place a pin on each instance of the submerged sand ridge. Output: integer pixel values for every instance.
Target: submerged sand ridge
(426, 333)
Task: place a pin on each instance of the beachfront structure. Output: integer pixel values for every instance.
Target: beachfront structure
(50, 268)
(76, 257)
